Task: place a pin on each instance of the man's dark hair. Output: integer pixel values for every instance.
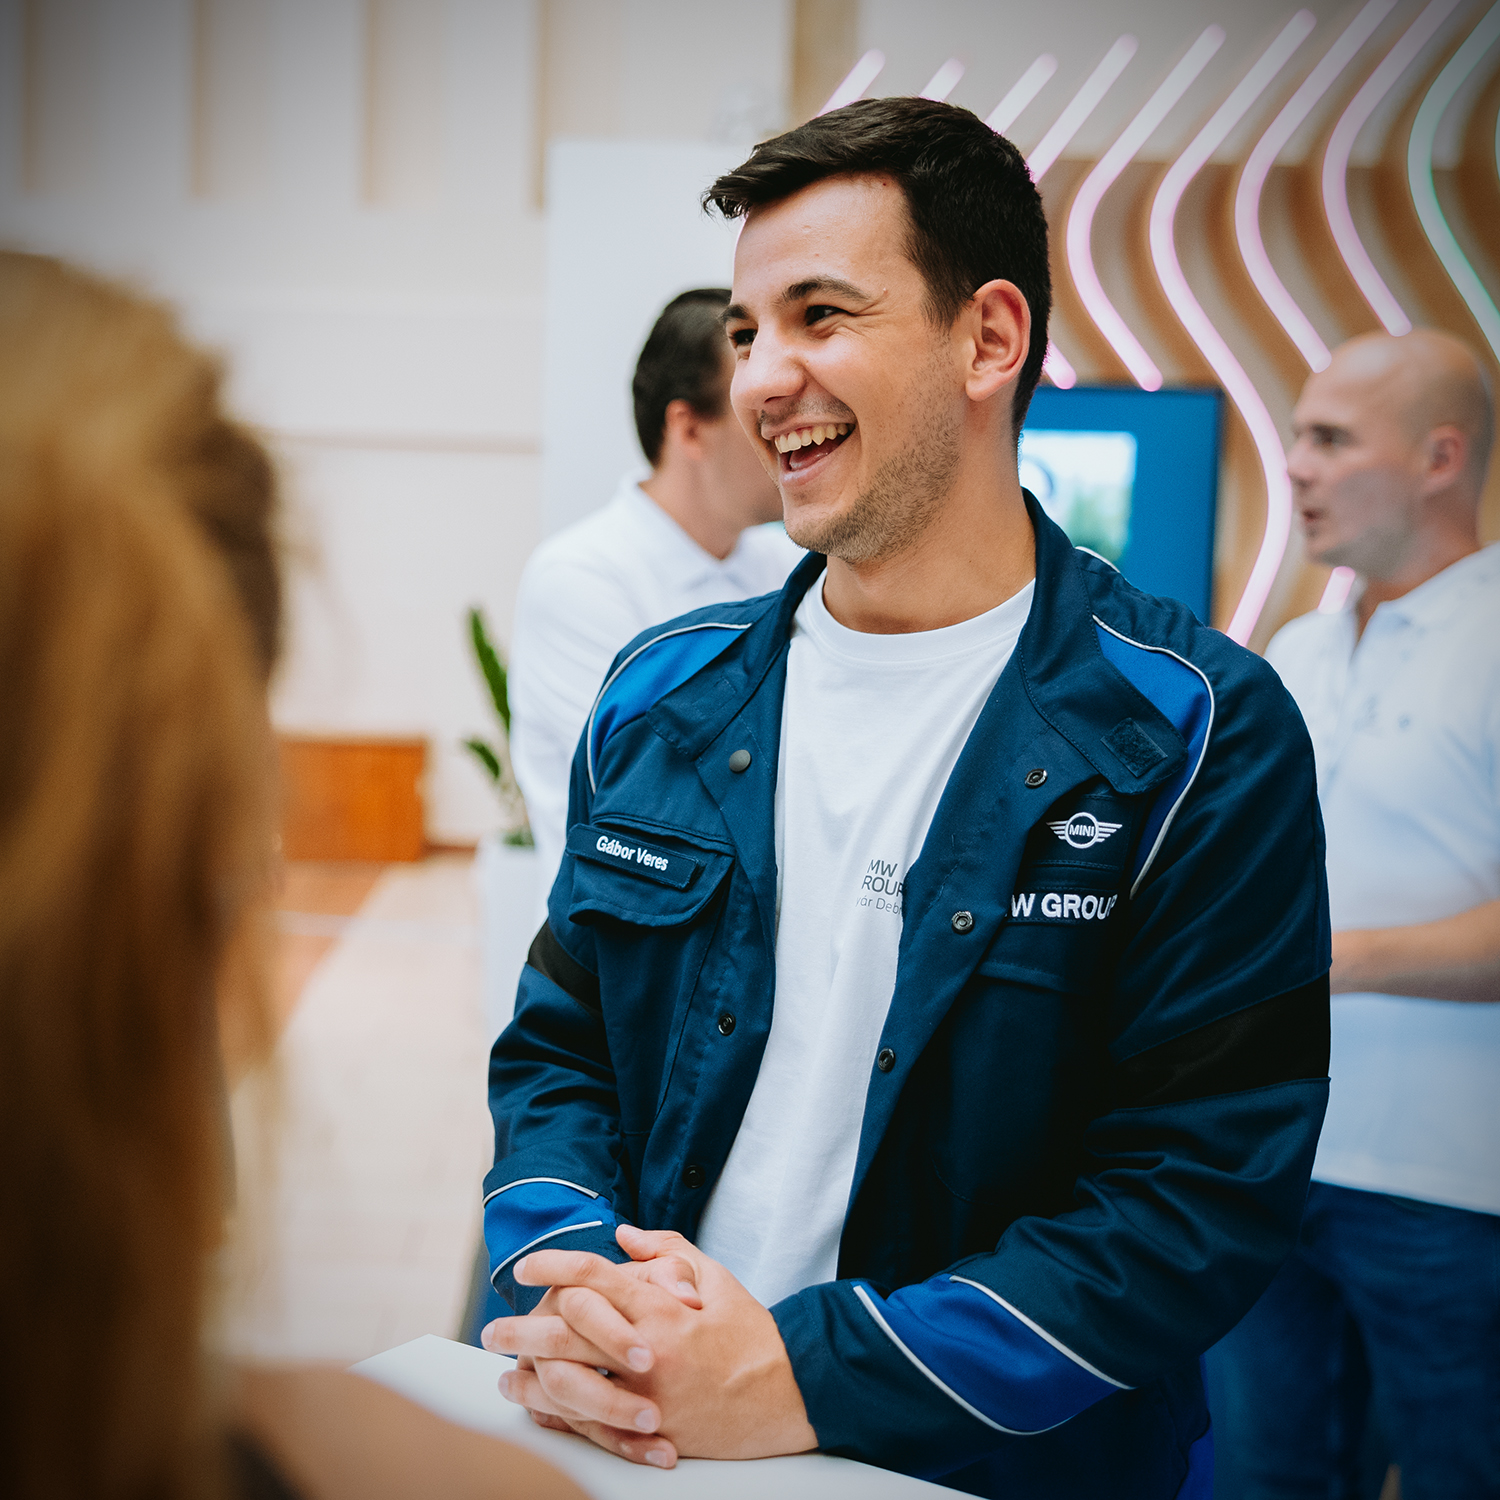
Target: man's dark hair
(684, 358)
(975, 213)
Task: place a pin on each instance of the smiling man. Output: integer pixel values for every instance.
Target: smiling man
(925, 1051)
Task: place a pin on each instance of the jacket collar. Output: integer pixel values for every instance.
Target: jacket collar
(1052, 708)
(1063, 672)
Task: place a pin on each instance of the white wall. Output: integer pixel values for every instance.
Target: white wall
(347, 197)
(624, 235)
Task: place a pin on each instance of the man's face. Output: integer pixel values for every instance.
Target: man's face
(736, 477)
(851, 395)
(1355, 470)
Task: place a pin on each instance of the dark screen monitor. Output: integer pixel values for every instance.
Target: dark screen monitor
(1133, 475)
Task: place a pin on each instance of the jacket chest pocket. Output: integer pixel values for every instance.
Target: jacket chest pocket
(652, 896)
(657, 878)
(1059, 931)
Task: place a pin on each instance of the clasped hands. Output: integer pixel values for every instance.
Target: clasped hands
(666, 1356)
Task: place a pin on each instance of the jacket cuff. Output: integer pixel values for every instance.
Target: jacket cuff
(932, 1376)
(543, 1214)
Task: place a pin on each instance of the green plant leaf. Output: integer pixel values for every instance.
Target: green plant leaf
(486, 757)
(492, 667)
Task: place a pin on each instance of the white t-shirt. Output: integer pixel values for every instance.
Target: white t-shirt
(584, 593)
(1406, 729)
(871, 728)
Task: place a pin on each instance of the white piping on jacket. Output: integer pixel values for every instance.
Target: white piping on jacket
(1202, 756)
(551, 1234)
(588, 729)
(1042, 1333)
(947, 1390)
(522, 1181)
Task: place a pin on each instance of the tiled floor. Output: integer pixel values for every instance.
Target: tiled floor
(365, 1235)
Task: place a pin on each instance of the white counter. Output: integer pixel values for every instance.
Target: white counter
(460, 1383)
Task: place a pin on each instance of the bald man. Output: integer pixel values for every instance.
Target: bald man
(1393, 1295)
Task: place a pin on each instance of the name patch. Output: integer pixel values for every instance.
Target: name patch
(1061, 906)
(625, 852)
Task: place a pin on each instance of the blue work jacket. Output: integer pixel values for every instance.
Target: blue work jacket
(1091, 1121)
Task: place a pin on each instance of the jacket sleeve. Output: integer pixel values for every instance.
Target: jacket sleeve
(1194, 1168)
(558, 1180)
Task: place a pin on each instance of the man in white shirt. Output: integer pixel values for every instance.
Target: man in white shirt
(694, 532)
(1396, 1281)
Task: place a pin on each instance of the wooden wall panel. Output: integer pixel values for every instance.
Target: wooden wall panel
(352, 799)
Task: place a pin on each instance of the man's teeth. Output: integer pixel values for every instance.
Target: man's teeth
(809, 436)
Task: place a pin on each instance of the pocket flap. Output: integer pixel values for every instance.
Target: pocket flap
(649, 882)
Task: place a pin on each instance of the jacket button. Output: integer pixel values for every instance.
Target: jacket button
(693, 1176)
(885, 1059)
(726, 1024)
(1036, 778)
(962, 921)
(739, 761)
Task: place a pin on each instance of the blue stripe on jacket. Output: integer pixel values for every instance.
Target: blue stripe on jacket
(1182, 694)
(536, 1214)
(652, 671)
(985, 1355)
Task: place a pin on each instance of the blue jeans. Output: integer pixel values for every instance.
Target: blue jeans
(1389, 1305)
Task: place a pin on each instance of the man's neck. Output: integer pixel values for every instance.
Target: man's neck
(978, 551)
(678, 491)
(1436, 553)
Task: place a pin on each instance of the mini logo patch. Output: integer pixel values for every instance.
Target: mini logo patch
(1083, 830)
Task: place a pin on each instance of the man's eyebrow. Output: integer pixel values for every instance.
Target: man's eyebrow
(832, 284)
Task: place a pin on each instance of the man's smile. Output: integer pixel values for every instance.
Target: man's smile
(803, 448)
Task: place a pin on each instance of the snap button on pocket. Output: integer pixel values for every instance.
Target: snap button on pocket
(739, 761)
(885, 1060)
(693, 1176)
(1036, 778)
(963, 921)
(726, 1024)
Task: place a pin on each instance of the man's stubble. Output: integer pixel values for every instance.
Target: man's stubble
(907, 490)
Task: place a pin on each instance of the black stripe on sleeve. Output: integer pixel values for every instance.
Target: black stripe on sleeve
(1273, 1041)
(549, 957)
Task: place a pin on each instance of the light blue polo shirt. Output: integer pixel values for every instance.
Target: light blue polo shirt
(1406, 729)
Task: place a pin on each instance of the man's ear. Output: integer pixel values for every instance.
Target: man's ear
(1446, 455)
(683, 428)
(998, 338)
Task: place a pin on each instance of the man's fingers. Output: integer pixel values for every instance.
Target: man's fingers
(595, 1319)
(578, 1393)
(656, 1451)
(563, 1268)
(645, 1244)
(658, 1255)
(672, 1274)
(561, 1337)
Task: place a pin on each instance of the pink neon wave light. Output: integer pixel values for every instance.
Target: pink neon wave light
(1340, 581)
(1238, 385)
(1091, 193)
(1382, 302)
(1081, 106)
(944, 81)
(1262, 158)
(1021, 93)
(1052, 145)
(856, 80)
(1057, 369)
(1424, 196)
